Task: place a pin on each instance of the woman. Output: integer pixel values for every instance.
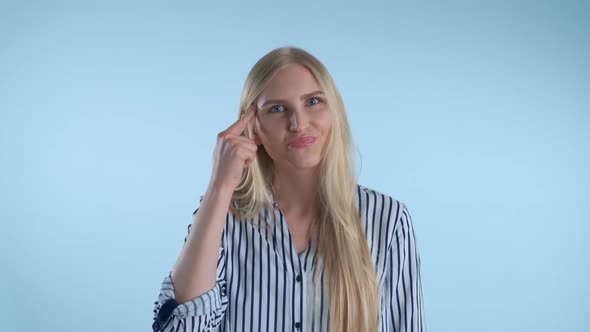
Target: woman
(284, 239)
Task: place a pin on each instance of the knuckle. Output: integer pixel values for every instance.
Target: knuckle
(233, 143)
(223, 138)
(228, 138)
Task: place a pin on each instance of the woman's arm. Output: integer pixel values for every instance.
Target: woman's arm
(193, 295)
(195, 270)
(403, 286)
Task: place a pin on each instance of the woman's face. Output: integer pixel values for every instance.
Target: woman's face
(293, 106)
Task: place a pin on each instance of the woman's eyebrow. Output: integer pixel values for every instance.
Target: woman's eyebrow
(303, 97)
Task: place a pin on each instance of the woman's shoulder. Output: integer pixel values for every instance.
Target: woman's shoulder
(377, 206)
(372, 196)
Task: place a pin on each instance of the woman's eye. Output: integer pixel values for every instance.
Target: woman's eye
(314, 98)
(274, 108)
(281, 108)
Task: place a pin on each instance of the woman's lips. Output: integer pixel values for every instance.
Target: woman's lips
(302, 142)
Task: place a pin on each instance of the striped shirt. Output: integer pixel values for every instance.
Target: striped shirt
(264, 285)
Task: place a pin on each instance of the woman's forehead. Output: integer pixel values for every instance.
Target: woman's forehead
(290, 83)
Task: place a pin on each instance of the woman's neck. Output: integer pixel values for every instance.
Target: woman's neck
(296, 192)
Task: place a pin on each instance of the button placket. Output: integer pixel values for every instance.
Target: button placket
(296, 260)
(298, 314)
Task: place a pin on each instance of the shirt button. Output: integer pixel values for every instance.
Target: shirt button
(298, 278)
(298, 325)
(156, 326)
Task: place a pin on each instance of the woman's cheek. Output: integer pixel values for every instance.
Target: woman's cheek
(269, 124)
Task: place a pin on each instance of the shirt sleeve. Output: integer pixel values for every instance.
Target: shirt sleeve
(203, 313)
(404, 307)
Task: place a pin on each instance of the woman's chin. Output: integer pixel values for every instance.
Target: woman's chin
(305, 162)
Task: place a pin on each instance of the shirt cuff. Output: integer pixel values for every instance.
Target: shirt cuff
(204, 304)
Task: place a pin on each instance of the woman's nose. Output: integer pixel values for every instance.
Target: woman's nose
(293, 121)
(297, 119)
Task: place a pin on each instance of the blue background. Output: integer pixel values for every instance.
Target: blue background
(473, 113)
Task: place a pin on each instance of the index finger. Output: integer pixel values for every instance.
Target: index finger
(238, 127)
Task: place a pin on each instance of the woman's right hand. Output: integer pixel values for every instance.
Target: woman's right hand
(232, 153)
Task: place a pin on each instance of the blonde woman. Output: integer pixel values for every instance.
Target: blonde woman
(284, 239)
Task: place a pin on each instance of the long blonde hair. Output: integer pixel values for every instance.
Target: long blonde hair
(343, 247)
